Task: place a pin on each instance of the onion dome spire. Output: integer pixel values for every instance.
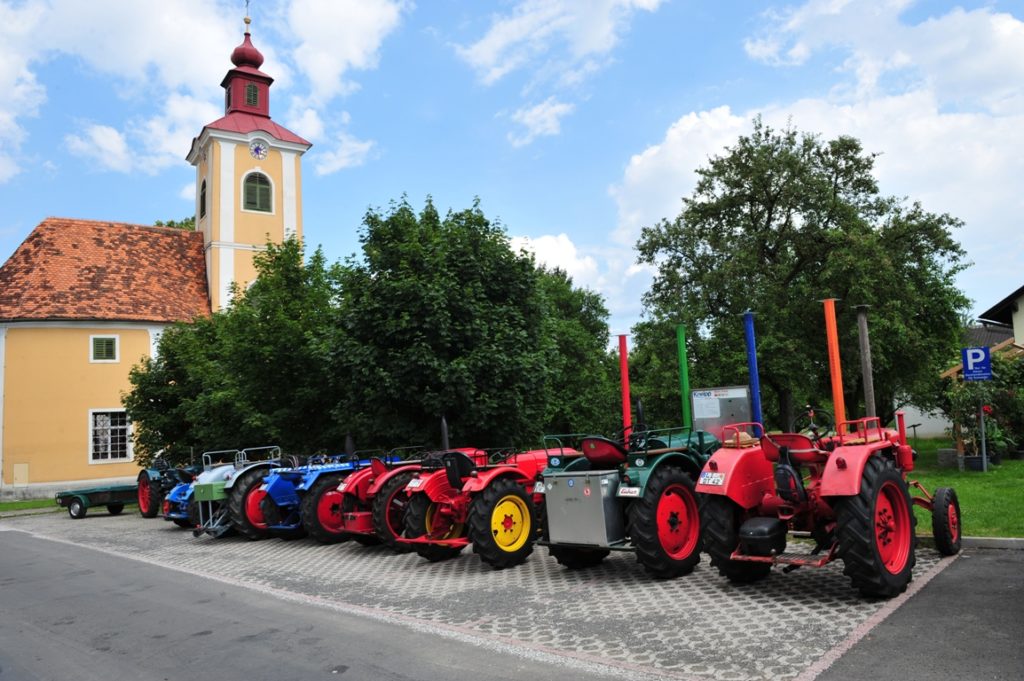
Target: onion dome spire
(246, 54)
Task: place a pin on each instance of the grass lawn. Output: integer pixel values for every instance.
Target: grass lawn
(30, 503)
(991, 504)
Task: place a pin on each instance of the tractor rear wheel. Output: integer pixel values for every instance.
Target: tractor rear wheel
(244, 499)
(418, 519)
(149, 496)
(876, 532)
(502, 519)
(946, 521)
(193, 516)
(115, 509)
(321, 510)
(720, 519)
(573, 558)
(664, 524)
(389, 507)
(272, 514)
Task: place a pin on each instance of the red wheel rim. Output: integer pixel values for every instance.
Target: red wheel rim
(892, 527)
(328, 511)
(954, 522)
(395, 510)
(678, 527)
(144, 498)
(253, 512)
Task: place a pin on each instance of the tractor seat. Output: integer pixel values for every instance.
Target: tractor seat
(601, 451)
(801, 448)
(740, 440)
(457, 467)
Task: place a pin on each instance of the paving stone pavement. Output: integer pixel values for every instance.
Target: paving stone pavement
(695, 627)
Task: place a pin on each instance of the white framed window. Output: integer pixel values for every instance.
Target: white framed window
(104, 349)
(257, 193)
(110, 436)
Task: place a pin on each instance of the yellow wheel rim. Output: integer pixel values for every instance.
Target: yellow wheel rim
(510, 523)
(454, 530)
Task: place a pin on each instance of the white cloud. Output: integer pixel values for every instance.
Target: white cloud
(559, 251)
(337, 36)
(188, 192)
(103, 145)
(22, 94)
(307, 123)
(349, 152)
(539, 120)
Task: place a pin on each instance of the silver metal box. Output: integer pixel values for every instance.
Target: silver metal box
(582, 509)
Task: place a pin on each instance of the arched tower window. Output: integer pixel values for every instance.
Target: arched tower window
(257, 193)
(252, 95)
(202, 200)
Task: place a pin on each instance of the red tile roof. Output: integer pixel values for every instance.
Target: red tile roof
(244, 123)
(71, 269)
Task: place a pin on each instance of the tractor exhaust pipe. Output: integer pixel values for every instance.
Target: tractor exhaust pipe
(755, 376)
(834, 367)
(627, 417)
(684, 377)
(444, 434)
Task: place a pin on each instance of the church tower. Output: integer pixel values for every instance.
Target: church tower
(248, 177)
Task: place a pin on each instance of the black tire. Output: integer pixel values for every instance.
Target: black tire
(649, 539)
(115, 509)
(150, 496)
(77, 508)
(946, 521)
(192, 521)
(416, 526)
(720, 519)
(272, 514)
(513, 544)
(577, 559)
(389, 508)
(309, 507)
(883, 493)
(247, 483)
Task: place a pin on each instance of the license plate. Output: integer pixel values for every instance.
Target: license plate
(342, 486)
(628, 491)
(414, 483)
(538, 488)
(709, 478)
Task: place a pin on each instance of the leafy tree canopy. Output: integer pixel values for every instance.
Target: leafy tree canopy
(778, 222)
(188, 224)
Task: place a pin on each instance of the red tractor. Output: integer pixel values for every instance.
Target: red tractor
(475, 498)
(846, 486)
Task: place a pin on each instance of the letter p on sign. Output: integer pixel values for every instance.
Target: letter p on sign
(977, 364)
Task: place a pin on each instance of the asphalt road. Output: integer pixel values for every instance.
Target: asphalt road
(71, 613)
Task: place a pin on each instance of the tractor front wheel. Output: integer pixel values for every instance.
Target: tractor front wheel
(720, 519)
(876, 532)
(502, 519)
(244, 500)
(946, 521)
(419, 519)
(664, 524)
(149, 496)
(389, 507)
(321, 510)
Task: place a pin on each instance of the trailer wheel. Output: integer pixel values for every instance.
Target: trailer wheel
(946, 521)
(720, 519)
(577, 559)
(502, 522)
(389, 506)
(115, 509)
(320, 510)
(664, 524)
(77, 509)
(244, 512)
(149, 496)
(418, 519)
(876, 532)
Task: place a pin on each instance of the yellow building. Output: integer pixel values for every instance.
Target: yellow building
(83, 301)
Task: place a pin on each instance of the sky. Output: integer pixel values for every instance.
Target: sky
(575, 122)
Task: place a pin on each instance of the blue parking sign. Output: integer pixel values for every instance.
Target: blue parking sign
(977, 364)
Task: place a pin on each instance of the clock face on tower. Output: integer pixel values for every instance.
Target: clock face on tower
(258, 150)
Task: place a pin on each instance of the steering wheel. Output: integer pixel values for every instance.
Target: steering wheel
(814, 422)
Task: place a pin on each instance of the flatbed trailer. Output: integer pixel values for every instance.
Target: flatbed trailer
(79, 501)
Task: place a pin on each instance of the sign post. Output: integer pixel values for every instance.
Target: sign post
(978, 367)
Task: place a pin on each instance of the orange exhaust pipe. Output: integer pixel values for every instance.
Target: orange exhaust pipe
(834, 367)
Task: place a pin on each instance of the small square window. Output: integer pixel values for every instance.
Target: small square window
(103, 348)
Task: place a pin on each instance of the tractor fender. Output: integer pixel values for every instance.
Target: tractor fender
(382, 479)
(242, 471)
(152, 474)
(844, 469)
(640, 474)
(357, 483)
(743, 475)
(434, 484)
(486, 477)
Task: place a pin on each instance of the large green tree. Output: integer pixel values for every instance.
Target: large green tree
(776, 223)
